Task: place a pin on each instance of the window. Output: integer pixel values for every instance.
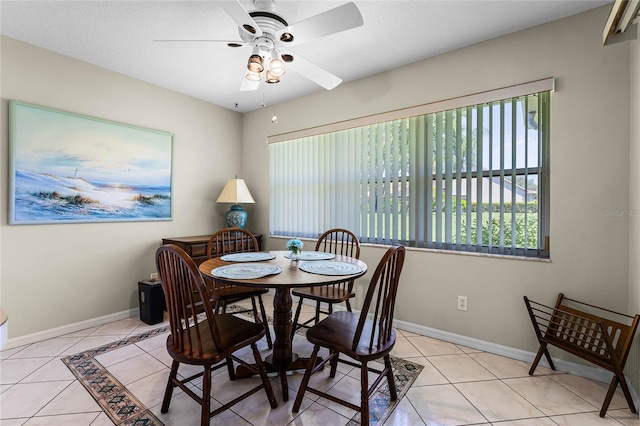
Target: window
(469, 178)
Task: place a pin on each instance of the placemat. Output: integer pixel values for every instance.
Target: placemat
(331, 267)
(248, 257)
(313, 255)
(246, 271)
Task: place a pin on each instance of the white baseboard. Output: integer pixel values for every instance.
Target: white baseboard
(582, 370)
(70, 328)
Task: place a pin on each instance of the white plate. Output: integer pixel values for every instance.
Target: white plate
(313, 255)
(330, 267)
(246, 271)
(248, 257)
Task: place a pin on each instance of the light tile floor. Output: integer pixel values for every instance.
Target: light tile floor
(458, 386)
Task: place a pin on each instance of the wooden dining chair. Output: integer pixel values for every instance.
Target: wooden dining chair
(336, 241)
(361, 338)
(237, 240)
(200, 337)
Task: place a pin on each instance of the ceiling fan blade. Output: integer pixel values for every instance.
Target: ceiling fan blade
(249, 85)
(241, 17)
(333, 21)
(313, 72)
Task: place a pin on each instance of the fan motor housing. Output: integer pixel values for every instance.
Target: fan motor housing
(268, 22)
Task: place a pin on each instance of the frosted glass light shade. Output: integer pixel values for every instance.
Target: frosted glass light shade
(255, 64)
(252, 76)
(276, 68)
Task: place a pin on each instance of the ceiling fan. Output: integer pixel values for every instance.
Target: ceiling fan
(270, 37)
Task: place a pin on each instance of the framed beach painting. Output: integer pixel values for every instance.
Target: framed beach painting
(71, 168)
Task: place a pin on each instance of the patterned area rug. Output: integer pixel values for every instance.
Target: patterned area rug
(123, 408)
(115, 400)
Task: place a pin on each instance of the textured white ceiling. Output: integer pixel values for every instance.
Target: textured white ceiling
(119, 36)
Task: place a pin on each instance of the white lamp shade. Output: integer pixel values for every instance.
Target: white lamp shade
(235, 191)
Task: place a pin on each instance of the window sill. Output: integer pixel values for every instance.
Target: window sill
(441, 251)
(467, 253)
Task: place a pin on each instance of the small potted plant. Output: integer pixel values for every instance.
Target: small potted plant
(294, 245)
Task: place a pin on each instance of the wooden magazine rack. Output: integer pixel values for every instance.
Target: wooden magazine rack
(596, 338)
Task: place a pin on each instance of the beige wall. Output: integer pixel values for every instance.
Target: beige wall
(54, 275)
(589, 174)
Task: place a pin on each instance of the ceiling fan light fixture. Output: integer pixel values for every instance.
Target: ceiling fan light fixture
(272, 79)
(276, 68)
(255, 64)
(268, 33)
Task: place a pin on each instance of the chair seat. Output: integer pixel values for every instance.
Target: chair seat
(338, 330)
(329, 294)
(231, 294)
(234, 332)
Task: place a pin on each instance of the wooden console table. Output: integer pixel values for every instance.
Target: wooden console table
(196, 246)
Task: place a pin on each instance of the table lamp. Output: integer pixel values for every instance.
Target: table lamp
(236, 192)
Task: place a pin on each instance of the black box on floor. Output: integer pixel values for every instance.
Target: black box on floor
(151, 301)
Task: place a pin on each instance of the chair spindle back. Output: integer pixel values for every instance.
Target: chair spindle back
(339, 241)
(380, 299)
(185, 296)
(231, 240)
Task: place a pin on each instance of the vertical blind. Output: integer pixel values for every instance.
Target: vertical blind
(473, 178)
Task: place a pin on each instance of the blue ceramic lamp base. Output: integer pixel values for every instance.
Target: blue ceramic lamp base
(236, 217)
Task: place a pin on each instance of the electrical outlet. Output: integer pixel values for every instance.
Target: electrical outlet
(462, 303)
(154, 276)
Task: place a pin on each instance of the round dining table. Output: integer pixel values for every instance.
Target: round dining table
(282, 358)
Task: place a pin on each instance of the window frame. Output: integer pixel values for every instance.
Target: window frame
(469, 101)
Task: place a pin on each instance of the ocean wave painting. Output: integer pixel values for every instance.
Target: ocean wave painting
(68, 168)
(43, 197)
